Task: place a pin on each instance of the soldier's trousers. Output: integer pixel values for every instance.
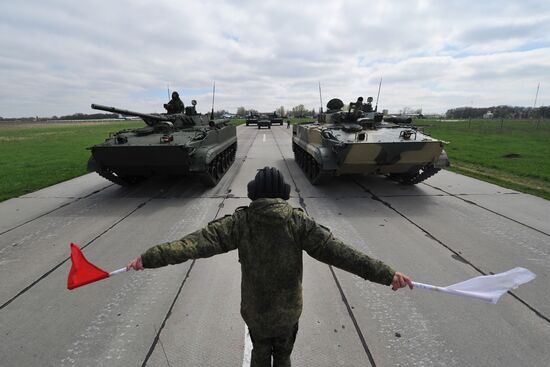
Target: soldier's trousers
(280, 347)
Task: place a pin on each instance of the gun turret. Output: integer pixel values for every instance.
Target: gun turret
(150, 119)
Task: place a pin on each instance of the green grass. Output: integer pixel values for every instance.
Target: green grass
(510, 153)
(236, 122)
(33, 156)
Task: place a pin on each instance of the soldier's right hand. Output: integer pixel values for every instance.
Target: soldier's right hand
(400, 280)
(135, 264)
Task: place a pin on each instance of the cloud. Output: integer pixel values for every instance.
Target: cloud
(58, 58)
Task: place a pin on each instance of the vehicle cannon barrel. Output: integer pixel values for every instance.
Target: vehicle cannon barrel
(148, 118)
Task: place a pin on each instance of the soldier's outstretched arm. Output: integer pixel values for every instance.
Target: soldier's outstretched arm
(319, 243)
(215, 238)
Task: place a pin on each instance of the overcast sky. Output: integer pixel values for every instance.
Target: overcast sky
(58, 57)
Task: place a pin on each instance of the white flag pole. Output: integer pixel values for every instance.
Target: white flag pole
(118, 271)
(487, 288)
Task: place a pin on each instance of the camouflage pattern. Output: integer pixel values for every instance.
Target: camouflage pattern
(176, 144)
(270, 237)
(358, 142)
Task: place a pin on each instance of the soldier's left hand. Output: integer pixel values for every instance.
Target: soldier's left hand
(135, 264)
(400, 280)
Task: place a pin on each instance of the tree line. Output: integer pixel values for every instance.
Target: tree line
(499, 112)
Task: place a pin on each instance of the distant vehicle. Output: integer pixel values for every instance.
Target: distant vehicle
(264, 121)
(177, 144)
(347, 141)
(275, 119)
(252, 119)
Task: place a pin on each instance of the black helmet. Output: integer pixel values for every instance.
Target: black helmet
(268, 183)
(335, 104)
(175, 95)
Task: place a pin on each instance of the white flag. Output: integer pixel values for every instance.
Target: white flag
(488, 288)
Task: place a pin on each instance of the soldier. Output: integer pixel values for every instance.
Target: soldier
(270, 235)
(175, 105)
(368, 106)
(357, 108)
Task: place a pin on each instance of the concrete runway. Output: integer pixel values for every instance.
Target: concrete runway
(445, 230)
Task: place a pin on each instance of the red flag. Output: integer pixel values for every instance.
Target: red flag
(82, 271)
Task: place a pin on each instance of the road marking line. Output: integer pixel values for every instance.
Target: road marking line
(247, 356)
(264, 138)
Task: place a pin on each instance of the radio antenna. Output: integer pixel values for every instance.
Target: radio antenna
(536, 95)
(320, 97)
(213, 95)
(378, 96)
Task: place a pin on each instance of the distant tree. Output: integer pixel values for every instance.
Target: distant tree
(241, 111)
(220, 113)
(499, 112)
(299, 111)
(281, 111)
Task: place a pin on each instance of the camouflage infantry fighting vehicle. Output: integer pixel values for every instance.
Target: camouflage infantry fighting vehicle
(176, 144)
(351, 141)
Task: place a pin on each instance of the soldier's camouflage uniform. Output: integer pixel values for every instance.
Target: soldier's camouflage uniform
(270, 236)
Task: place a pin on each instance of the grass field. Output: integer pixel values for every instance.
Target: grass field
(510, 153)
(33, 156)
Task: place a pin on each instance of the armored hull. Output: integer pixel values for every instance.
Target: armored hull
(190, 144)
(340, 144)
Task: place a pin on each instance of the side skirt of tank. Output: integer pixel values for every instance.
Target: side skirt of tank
(218, 166)
(312, 169)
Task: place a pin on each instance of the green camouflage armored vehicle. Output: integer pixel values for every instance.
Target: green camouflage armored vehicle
(348, 140)
(264, 121)
(170, 144)
(252, 119)
(274, 118)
